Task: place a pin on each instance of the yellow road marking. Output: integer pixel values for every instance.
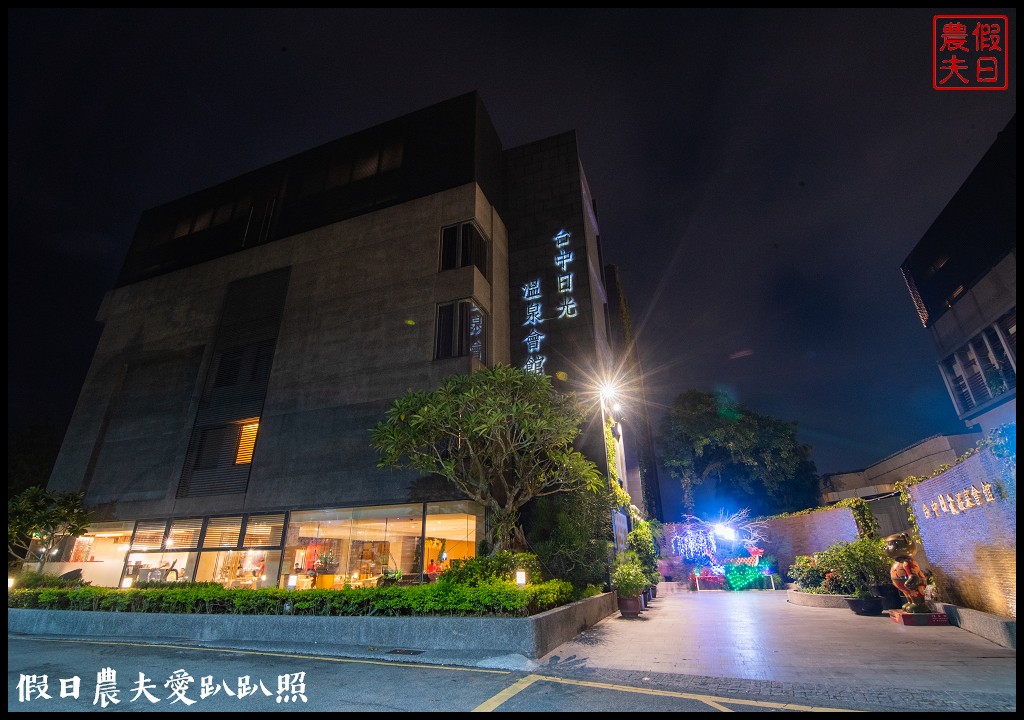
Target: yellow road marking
(711, 700)
(496, 700)
(513, 689)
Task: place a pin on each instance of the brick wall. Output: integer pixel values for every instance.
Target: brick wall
(788, 537)
(785, 538)
(968, 522)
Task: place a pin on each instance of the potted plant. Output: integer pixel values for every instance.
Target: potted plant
(653, 579)
(854, 569)
(863, 602)
(629, 581)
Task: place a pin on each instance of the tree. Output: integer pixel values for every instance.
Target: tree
(45, 517)
(754, 459)
(500, 435)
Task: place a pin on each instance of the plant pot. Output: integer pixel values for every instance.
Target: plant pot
(629, 607)
(865, 606)
(654, 591)
(646, 595)
(892, 598)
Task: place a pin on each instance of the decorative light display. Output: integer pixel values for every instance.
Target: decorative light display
(694, 543)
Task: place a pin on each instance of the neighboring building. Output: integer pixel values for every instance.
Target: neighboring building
(962, 277)
(877, 483)
(260, 328)
(641, 467)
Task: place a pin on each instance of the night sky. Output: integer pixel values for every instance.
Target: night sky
(760, 175)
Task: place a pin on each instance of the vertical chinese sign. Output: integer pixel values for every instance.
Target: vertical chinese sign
(970, 52)
(533, 295)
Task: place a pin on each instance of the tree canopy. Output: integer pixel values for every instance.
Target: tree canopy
(754, 459)
(500, 435)
(47, 518)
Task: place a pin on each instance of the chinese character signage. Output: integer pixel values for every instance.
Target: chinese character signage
(970, 52)
(565, 303)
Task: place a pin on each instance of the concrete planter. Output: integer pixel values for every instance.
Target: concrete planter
(814, 600)
(532, 637)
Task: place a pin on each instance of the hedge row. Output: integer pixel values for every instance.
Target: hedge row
(495, 597)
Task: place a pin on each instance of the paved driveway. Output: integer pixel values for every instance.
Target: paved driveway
(761, 638)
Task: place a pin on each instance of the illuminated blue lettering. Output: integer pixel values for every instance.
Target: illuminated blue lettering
(535, 364)
(533, 314)
(531, 290)
(533, 341)
(567, 308)
(562, 238)
(565, 283)
(563, 258)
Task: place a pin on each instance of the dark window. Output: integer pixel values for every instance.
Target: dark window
(460, 330)
(463, 245)
(227, 370)
(215, 446)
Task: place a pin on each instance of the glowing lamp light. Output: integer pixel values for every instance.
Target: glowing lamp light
(126, 583)
(10, 583)
(724, 531)
(293, 580)
(520, 578)
(607, 391)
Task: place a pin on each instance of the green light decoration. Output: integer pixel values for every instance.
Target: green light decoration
(741, 577)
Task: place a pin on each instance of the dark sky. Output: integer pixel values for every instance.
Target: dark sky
(760, 175)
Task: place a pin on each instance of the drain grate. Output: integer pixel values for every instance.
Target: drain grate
(403, 651)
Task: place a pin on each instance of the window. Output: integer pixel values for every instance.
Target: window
(246, 442)
(981, 370)
(463, 245)
(460, 330)
(227, 370)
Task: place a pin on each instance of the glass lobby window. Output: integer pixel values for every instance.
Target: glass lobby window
(453, 530)
(245, 568)
(153, 556)
(253, 565)
(360, 547)
(99, 553)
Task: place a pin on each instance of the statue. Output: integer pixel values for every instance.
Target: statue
(906, 574)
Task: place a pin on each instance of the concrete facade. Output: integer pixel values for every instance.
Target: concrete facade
(921, 458)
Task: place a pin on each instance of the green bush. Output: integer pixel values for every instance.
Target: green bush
(641, 542)
(628, 578)
(571, 532)
(484, 568)
(485, 597)
(845, 568)
(806, 572)
(33, 579)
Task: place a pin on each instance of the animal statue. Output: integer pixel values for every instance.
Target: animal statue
(906, 574)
